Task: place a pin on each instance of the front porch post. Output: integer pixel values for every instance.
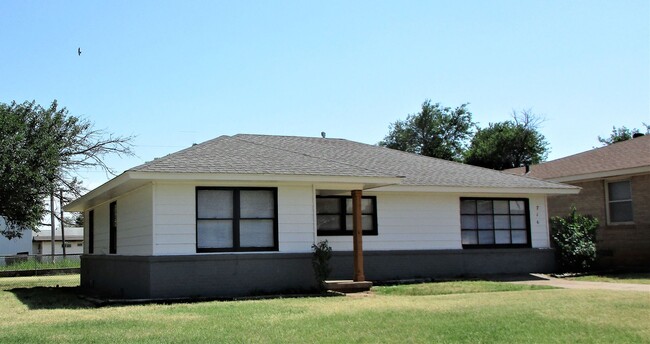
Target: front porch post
(357, 236)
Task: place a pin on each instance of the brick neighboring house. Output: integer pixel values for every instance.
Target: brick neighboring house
(615, 182)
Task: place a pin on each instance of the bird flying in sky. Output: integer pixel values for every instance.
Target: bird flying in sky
(79, 51)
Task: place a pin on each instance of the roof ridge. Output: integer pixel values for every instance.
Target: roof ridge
(312, 156)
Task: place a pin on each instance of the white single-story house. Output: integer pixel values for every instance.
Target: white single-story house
(239, 214)
(74, 241)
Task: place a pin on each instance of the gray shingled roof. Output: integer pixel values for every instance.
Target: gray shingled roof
(291, 155)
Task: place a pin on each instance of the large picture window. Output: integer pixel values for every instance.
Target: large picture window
(334, 215)
(498, 222)
(236, 219)
(619, 199)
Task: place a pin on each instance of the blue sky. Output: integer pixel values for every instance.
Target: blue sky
(174, 73)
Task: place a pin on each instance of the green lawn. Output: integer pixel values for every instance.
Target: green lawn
(33, 264)
(638, 278)
(455, 287)
(43, 313)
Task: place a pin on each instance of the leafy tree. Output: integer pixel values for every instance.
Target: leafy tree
(508, 144)
(41, 150)
(435, 131)
(574, 238)
(621, 134)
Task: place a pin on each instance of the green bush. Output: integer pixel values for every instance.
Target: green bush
(574, 237)
(320, 262)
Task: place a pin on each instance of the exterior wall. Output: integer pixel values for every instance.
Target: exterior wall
(229, 275)
(134, 224)
(175, 218)
(624, 245)
(407, 221)
(45, 247)
(425, 221)
(419, 236)
(15, 245)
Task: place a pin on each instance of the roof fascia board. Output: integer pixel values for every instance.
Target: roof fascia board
(600, 175)
(113, 183)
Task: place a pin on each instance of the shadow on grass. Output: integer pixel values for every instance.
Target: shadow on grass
(51, 298)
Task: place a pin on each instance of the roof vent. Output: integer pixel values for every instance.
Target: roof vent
(322, 133)
(635, 135)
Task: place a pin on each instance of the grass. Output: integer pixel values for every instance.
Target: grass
(456, 287)
(514, 316)
(637, 278)
(33, 264)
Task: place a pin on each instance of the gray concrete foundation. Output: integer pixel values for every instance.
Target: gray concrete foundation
(228, 275)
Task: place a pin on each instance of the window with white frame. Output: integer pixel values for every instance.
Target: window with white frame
(236, 219)
(494, 222)
(619, 202)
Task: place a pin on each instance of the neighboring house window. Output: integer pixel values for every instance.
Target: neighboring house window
(619, 199)
(112, 230)
(334, 215)
(498, 222)
(236, 219)
(91, 232)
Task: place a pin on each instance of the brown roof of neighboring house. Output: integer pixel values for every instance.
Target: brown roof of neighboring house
(621, 158)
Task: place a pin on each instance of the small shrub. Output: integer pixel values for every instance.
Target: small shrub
(574, 237)
(320, 259)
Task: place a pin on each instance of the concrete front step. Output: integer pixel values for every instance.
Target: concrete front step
(348, 286)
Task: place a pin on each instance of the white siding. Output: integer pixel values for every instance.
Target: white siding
(159, 219)
(540, 235)
(134, 224)
(425, 221)
(175, 218)
(410, 221)
(101, 229)
(296, 218)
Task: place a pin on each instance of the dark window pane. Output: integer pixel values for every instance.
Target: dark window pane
(501, 222)
(469, 237)
(484, 207)
(256, 233)
(485, 222)
(517, 207)
(620, 212)
(214, 204)
(328, 205)
(619, 191)
(256, 204)
(329, 222)
(366, 206)
(366, 222)
(519, 237)
(468, 207)
(501, 207)
(214, 234)
(502, 237)
(485, 237)
(468, 222)
(518, 221)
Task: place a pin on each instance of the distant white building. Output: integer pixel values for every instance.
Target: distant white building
(15, 246)
(42, 241)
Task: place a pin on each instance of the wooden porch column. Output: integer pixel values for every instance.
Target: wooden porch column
(357, 236)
